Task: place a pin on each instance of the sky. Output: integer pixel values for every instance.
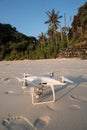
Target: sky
(29, 16)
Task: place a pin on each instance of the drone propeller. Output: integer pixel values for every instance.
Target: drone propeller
(23, 79)
(48, 74)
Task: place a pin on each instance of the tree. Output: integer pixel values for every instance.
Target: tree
(42, 38)
(54, 23)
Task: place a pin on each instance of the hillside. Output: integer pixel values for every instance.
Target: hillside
(77, 49)
(13, 42)
(9, 33)
(74, 51)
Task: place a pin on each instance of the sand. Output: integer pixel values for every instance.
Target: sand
(69, 112)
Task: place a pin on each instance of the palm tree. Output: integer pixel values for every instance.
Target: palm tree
(53, 21)
(50, 34)
(42, 38)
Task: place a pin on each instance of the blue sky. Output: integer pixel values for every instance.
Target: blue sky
(28, 16)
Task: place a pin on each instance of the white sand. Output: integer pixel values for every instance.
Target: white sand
(69, 112)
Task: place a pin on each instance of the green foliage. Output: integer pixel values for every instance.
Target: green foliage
(63, 44)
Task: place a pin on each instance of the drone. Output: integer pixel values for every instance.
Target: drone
(39, 84)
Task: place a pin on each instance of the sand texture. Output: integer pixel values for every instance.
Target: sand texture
(68, 112)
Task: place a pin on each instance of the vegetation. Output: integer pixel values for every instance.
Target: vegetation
(54, 23)
(15, 45)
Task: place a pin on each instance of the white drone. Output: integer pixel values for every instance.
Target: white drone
(38, 85)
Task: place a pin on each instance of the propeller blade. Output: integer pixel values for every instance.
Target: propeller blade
(66, 80)
(25, 74)
(19, 79)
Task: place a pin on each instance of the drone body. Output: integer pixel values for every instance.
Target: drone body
(38, 84)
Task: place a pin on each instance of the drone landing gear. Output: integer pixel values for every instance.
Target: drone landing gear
(39, 94)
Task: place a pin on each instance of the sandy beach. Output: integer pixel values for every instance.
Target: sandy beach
(68, 112)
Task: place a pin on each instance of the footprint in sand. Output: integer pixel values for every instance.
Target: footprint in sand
(42, 122)
(10, 92)
(80, 98)
(74, 107)
(7, 79)
(83, 99)
(4, 79)
(52, 107)
(18, 123)
(73, 97)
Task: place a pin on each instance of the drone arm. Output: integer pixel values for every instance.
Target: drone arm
(66, 80)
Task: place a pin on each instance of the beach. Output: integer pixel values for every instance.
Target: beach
(68, 112)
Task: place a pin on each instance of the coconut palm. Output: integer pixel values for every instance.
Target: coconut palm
(42, 38)
(53, 21)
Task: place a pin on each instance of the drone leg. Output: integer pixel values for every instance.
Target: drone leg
(32, 94)
(52, 87)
